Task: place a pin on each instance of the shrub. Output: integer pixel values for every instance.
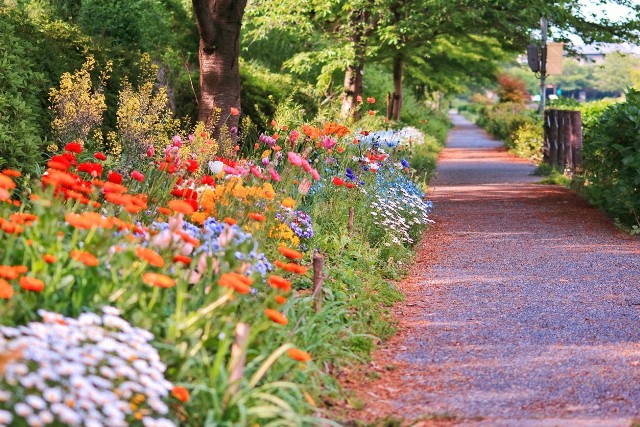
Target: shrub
(612, 160)
(527, 141)
(20, 137)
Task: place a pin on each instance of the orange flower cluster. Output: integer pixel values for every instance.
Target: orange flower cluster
(236, 281)
(276, 316)
(299, 355)
(88, 220)
(280, 282)
(150, 256)
(291, 267)
(84, 257)
(290, 253)
(159, 280)
(331, 128)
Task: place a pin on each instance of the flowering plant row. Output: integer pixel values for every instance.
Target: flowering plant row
(177, 292)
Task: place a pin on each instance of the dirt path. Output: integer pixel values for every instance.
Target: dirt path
(523, 309)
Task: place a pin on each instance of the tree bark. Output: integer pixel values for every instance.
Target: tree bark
(354, 72)
(397, 87)
(219, 23)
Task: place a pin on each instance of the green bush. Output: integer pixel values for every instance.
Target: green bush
(262, 91)
(527, 141)
(612, 160)
(503, 119)
(21, 143)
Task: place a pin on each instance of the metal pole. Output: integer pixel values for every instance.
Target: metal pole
(543, 66)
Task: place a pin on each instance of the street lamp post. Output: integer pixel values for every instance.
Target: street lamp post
(543, 66)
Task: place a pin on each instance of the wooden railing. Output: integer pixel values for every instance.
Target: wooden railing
(563, 139)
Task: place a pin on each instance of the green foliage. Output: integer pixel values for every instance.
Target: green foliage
(527, 141)
(503, 119)
(142, 23)
(21, 140)
(262, 92)
(612, 160)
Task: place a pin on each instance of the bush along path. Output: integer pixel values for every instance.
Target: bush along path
(522, 309)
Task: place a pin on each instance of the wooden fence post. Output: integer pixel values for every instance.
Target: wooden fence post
(562, 139)
(546, 148)
(318, 279)
(568, 135)
(553, 137)
(576, 139)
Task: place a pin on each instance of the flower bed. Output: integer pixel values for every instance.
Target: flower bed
(177, 289)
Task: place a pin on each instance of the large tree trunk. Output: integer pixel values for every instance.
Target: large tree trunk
(219, 23)
(354, 72)
(397, 87)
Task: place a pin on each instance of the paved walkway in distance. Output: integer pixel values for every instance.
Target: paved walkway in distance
(523, 309)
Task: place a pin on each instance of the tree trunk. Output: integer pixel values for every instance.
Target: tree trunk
(397, 87)
(219, 23)
(354, 72)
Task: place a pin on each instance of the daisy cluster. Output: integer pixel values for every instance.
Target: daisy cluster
(392, 138)
(96, 370)
(400, 207)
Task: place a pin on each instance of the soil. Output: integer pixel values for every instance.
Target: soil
(523, 307)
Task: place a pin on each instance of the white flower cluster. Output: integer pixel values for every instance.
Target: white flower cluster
(92, 371)
(393, 138)
(398, 211)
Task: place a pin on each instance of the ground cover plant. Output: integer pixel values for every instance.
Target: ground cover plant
(149, 278)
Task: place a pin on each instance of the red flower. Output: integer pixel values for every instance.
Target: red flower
(74, 147)
(177, 192)
(337, 181)
(94, 169)
(137, 176)
(100, 156)
(114, 177)
(208, 180)
(193, 165)
(371, 100)
(349, 184)
(234, 111)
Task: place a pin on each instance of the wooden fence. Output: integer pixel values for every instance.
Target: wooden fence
(563, 139)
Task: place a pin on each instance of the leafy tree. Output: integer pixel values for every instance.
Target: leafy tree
(616, 73)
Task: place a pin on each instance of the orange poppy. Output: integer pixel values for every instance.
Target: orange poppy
(290, 253)
(229, 221)
(31, 284)
(165, 211)
(4, 195)
(6, 290)
(159, 280)
(257, 216)
(280, 283)
(276, 316)
(236, 281)
(11, 172)
(280, 299)
(180, 393)
(299, 355)
(49, 259)
(84, 257)
(6, 182)
(181, 206)
(149, 255)
(183, 259)
(20, 269)
(291, 267)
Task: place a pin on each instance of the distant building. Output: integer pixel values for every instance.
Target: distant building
(595, 54)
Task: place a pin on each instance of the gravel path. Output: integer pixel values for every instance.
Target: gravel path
(523, 309)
